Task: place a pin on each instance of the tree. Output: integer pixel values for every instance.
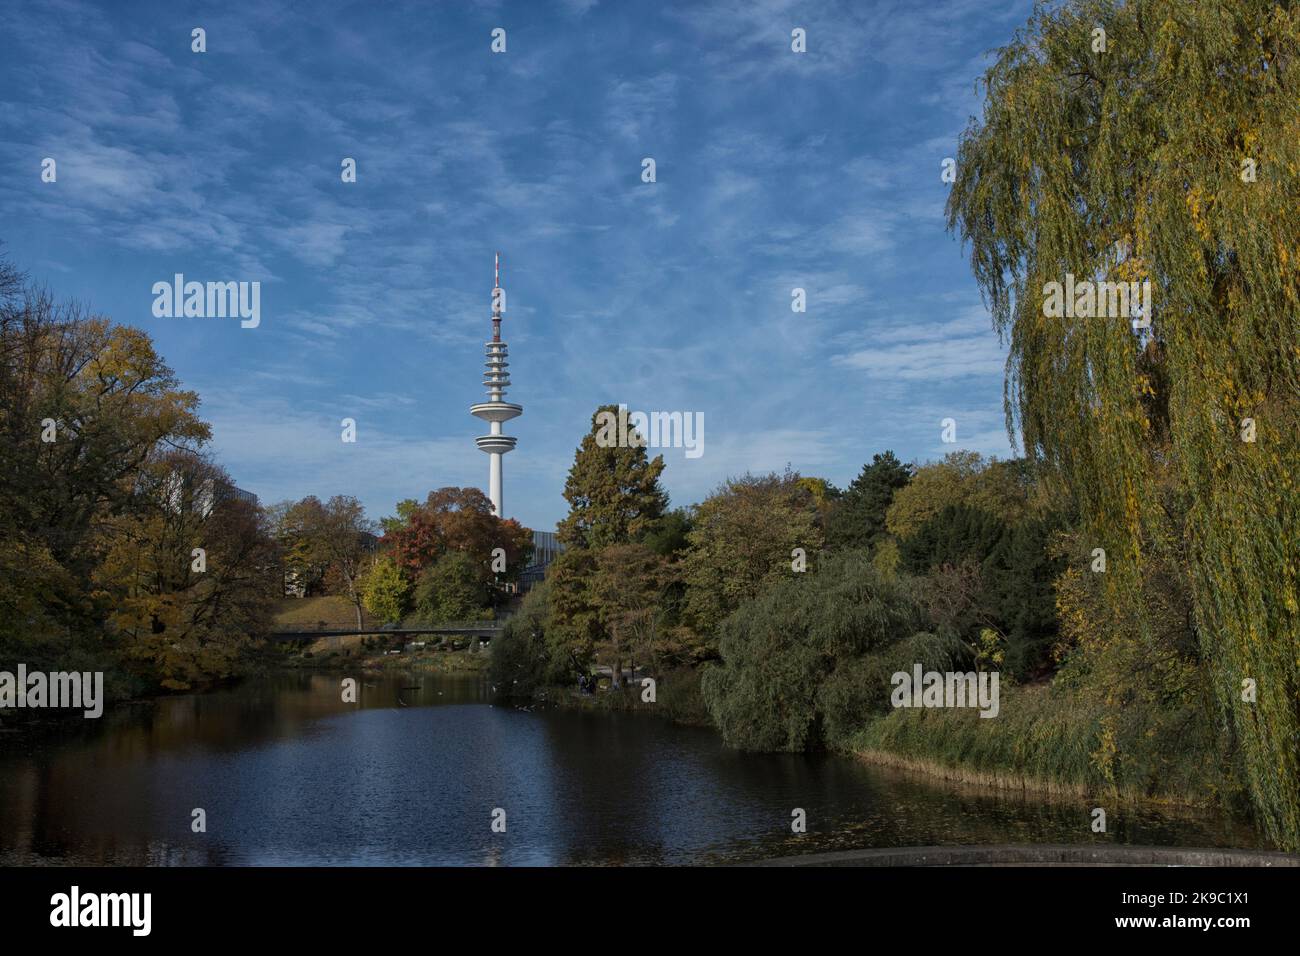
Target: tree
(192, 571)
(668, 536)
(999, 488)
(456, 520)
(743, 540)
(627, 591)
(576, 627)
(857, 519)
(297, 529)
(405, 509)
(384, 591)
(326, 547)
(121, 546)
(615, 500)
(339, 537)
(1168, 159)
(85, 406)
(986, 574)
(613, 492)
(808, 661)
(1022, 575)
(524, 658)
(455, 588)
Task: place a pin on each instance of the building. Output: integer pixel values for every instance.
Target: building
(495, 411)
(546, 548)
(184, 490)
(245, 496)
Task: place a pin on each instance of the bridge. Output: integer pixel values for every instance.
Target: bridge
(482, 629)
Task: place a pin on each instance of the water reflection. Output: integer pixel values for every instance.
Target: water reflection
(288, 774)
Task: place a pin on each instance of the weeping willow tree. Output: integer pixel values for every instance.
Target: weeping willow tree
(1158, 141)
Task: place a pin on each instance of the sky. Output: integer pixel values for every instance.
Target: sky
(774, 170)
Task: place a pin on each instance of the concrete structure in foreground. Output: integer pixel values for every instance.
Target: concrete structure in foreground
(495, 410)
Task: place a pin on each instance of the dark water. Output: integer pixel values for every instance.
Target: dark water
(287, 774)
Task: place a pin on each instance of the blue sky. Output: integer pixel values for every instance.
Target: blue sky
(775, 170)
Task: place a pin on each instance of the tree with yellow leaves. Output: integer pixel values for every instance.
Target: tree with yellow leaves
(1168, 154)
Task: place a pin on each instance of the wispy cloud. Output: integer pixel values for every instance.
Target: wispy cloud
(776, 170)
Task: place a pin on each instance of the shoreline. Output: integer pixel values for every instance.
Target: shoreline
(980, 781)
(1036, 856)
(1006, 782)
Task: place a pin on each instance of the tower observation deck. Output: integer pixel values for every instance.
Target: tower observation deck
(496, 410)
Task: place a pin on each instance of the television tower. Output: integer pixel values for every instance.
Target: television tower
(494, 410)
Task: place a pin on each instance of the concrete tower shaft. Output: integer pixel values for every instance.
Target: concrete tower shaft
(496, 410)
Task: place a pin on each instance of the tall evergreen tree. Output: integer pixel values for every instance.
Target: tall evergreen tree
(613, 492)
(1008, 570)
(857, 519)
(615, 499)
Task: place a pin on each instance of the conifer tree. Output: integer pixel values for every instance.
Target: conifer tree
(613, 492)
(857, 520)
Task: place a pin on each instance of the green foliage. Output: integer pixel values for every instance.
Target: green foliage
(455, 588)
(385, 592)
(885, 559)
(406, 508)
(98, 526)
(669, 535)
(575, 629)
(610, 604)
(955, 533)
(627, 591)
(613, 493)
(1020, 575)
(999, 488)
(523, 658)
(1048, 736)
(609, 589)
(808, 660)
(983, 573)
(857, 518)
(742, 542)
(1145, 681)
(680, 697)
(1128, 165)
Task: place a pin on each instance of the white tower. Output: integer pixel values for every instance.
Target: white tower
(494, 410)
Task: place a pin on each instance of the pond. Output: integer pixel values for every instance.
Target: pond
(416, 773)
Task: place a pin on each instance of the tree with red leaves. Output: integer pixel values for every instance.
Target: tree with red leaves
(458, 520)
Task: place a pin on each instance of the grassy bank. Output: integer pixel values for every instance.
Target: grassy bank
(325, 612)
(1051, 742)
